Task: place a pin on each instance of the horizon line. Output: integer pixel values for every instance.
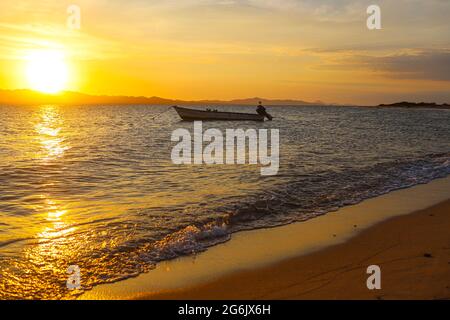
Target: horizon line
(286, 101)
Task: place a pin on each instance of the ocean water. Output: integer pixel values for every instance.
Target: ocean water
(95, 186)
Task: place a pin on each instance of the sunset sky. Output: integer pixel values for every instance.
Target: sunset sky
(224, 49)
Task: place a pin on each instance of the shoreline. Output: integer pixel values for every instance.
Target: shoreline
(271, 263)
(409, 269)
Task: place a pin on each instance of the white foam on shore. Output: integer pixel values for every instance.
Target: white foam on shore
(256, 248)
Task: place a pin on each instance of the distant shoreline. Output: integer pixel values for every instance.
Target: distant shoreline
(404, 104)
(27, 97)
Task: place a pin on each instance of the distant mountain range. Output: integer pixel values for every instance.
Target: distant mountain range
(29, 97)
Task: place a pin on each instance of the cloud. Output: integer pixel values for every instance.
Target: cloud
(428, 65)
(17, 40)
(412, 64)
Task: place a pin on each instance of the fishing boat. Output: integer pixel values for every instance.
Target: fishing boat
(212, 115)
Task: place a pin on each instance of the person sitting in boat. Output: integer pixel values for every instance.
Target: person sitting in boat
(261, 110)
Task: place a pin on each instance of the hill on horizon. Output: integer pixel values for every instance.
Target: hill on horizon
(30, 97)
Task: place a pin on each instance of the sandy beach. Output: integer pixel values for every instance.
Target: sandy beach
(405, 232)
(412, 251)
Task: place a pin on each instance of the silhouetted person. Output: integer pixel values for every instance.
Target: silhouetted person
(261, 110)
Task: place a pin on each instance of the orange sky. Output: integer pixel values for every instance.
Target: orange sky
(224, 49)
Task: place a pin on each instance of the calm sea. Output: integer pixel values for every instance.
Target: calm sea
(96, 187)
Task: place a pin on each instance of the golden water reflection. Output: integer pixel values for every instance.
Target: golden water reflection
(54, 249)
(53, 236)
(49, 129)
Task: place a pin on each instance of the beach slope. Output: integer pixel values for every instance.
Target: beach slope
(413, 252)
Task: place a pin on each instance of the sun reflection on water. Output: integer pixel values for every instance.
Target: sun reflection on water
(52, 249)
(49, 133)
(58, 228)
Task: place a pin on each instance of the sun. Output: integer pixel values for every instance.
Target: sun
(47, 71)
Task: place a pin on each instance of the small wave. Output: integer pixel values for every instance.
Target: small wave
(191, 239)
(315, 195)
(13, 241)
